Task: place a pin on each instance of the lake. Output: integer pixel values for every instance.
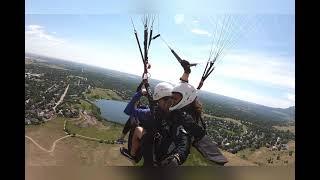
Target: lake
(112, 110)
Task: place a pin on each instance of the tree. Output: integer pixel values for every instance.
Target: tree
(243, 156)
(290, 153)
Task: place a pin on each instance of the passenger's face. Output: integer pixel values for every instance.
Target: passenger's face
(176, 98)
(165, 103)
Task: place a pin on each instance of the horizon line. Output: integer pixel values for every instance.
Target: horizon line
(154, 79)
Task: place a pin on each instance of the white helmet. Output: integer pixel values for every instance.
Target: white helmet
(161, 90)
(188, 92)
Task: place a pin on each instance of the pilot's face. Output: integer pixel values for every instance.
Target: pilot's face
(165, 103)
(176, 98)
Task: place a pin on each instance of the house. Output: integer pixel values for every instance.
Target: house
(27, 121)
(34, 121)
(47, 116)
(268, 145)
(284, 147)
(233, 151)
(41, 114)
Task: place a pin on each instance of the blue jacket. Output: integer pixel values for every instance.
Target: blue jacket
(142, 114)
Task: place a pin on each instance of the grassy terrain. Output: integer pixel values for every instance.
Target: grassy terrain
(99, 93)
(53, 66)
(221, 118)
(245, 128)
(277, 158)
(71, 151)
(45, 64)
(194, 159)
(89, 107)
(285, 128)
(80, 151)
(91, 152)
(46, 132)
(84, 105)
(110, 131)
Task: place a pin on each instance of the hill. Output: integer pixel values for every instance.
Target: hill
(237, 109)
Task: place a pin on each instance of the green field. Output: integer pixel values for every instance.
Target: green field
(285, 128)
(99, 93)
(196, 159)
(244, 127)
(111, 131)
(84, 105)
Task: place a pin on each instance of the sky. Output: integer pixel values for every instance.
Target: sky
(258, 66)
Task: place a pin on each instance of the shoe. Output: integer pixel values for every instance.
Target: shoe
(120, 141)
(125, 152)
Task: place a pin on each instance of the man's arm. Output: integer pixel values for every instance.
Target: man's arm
(184, 77)
(186, 67)
(131, 105)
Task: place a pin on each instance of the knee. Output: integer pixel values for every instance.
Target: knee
(139, 132)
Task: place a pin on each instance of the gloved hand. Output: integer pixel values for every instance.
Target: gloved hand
(170, 161)
(144, 91)
(186, 66)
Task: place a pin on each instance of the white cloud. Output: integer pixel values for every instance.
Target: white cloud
(273, 71)
(276, 72)
(215, 84)
(257, 68)
(34, 27)
(38, 41)
(291, 97)
(200, 32)
(179, 18)
(36, 33)
(220, 87)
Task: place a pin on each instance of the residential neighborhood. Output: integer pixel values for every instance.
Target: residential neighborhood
(54, 92)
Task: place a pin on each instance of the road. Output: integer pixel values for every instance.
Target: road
(61, 98)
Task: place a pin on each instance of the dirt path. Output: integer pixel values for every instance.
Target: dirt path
(53, 145)
(61, 98)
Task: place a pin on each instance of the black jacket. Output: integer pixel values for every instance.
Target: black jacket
(190, 125)
(170, 136)
(165, 136)
(207, 147)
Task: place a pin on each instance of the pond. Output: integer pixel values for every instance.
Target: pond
(112, 110)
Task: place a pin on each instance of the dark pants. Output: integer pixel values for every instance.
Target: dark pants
(127, 126)
(147, 149)
(210, 151)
